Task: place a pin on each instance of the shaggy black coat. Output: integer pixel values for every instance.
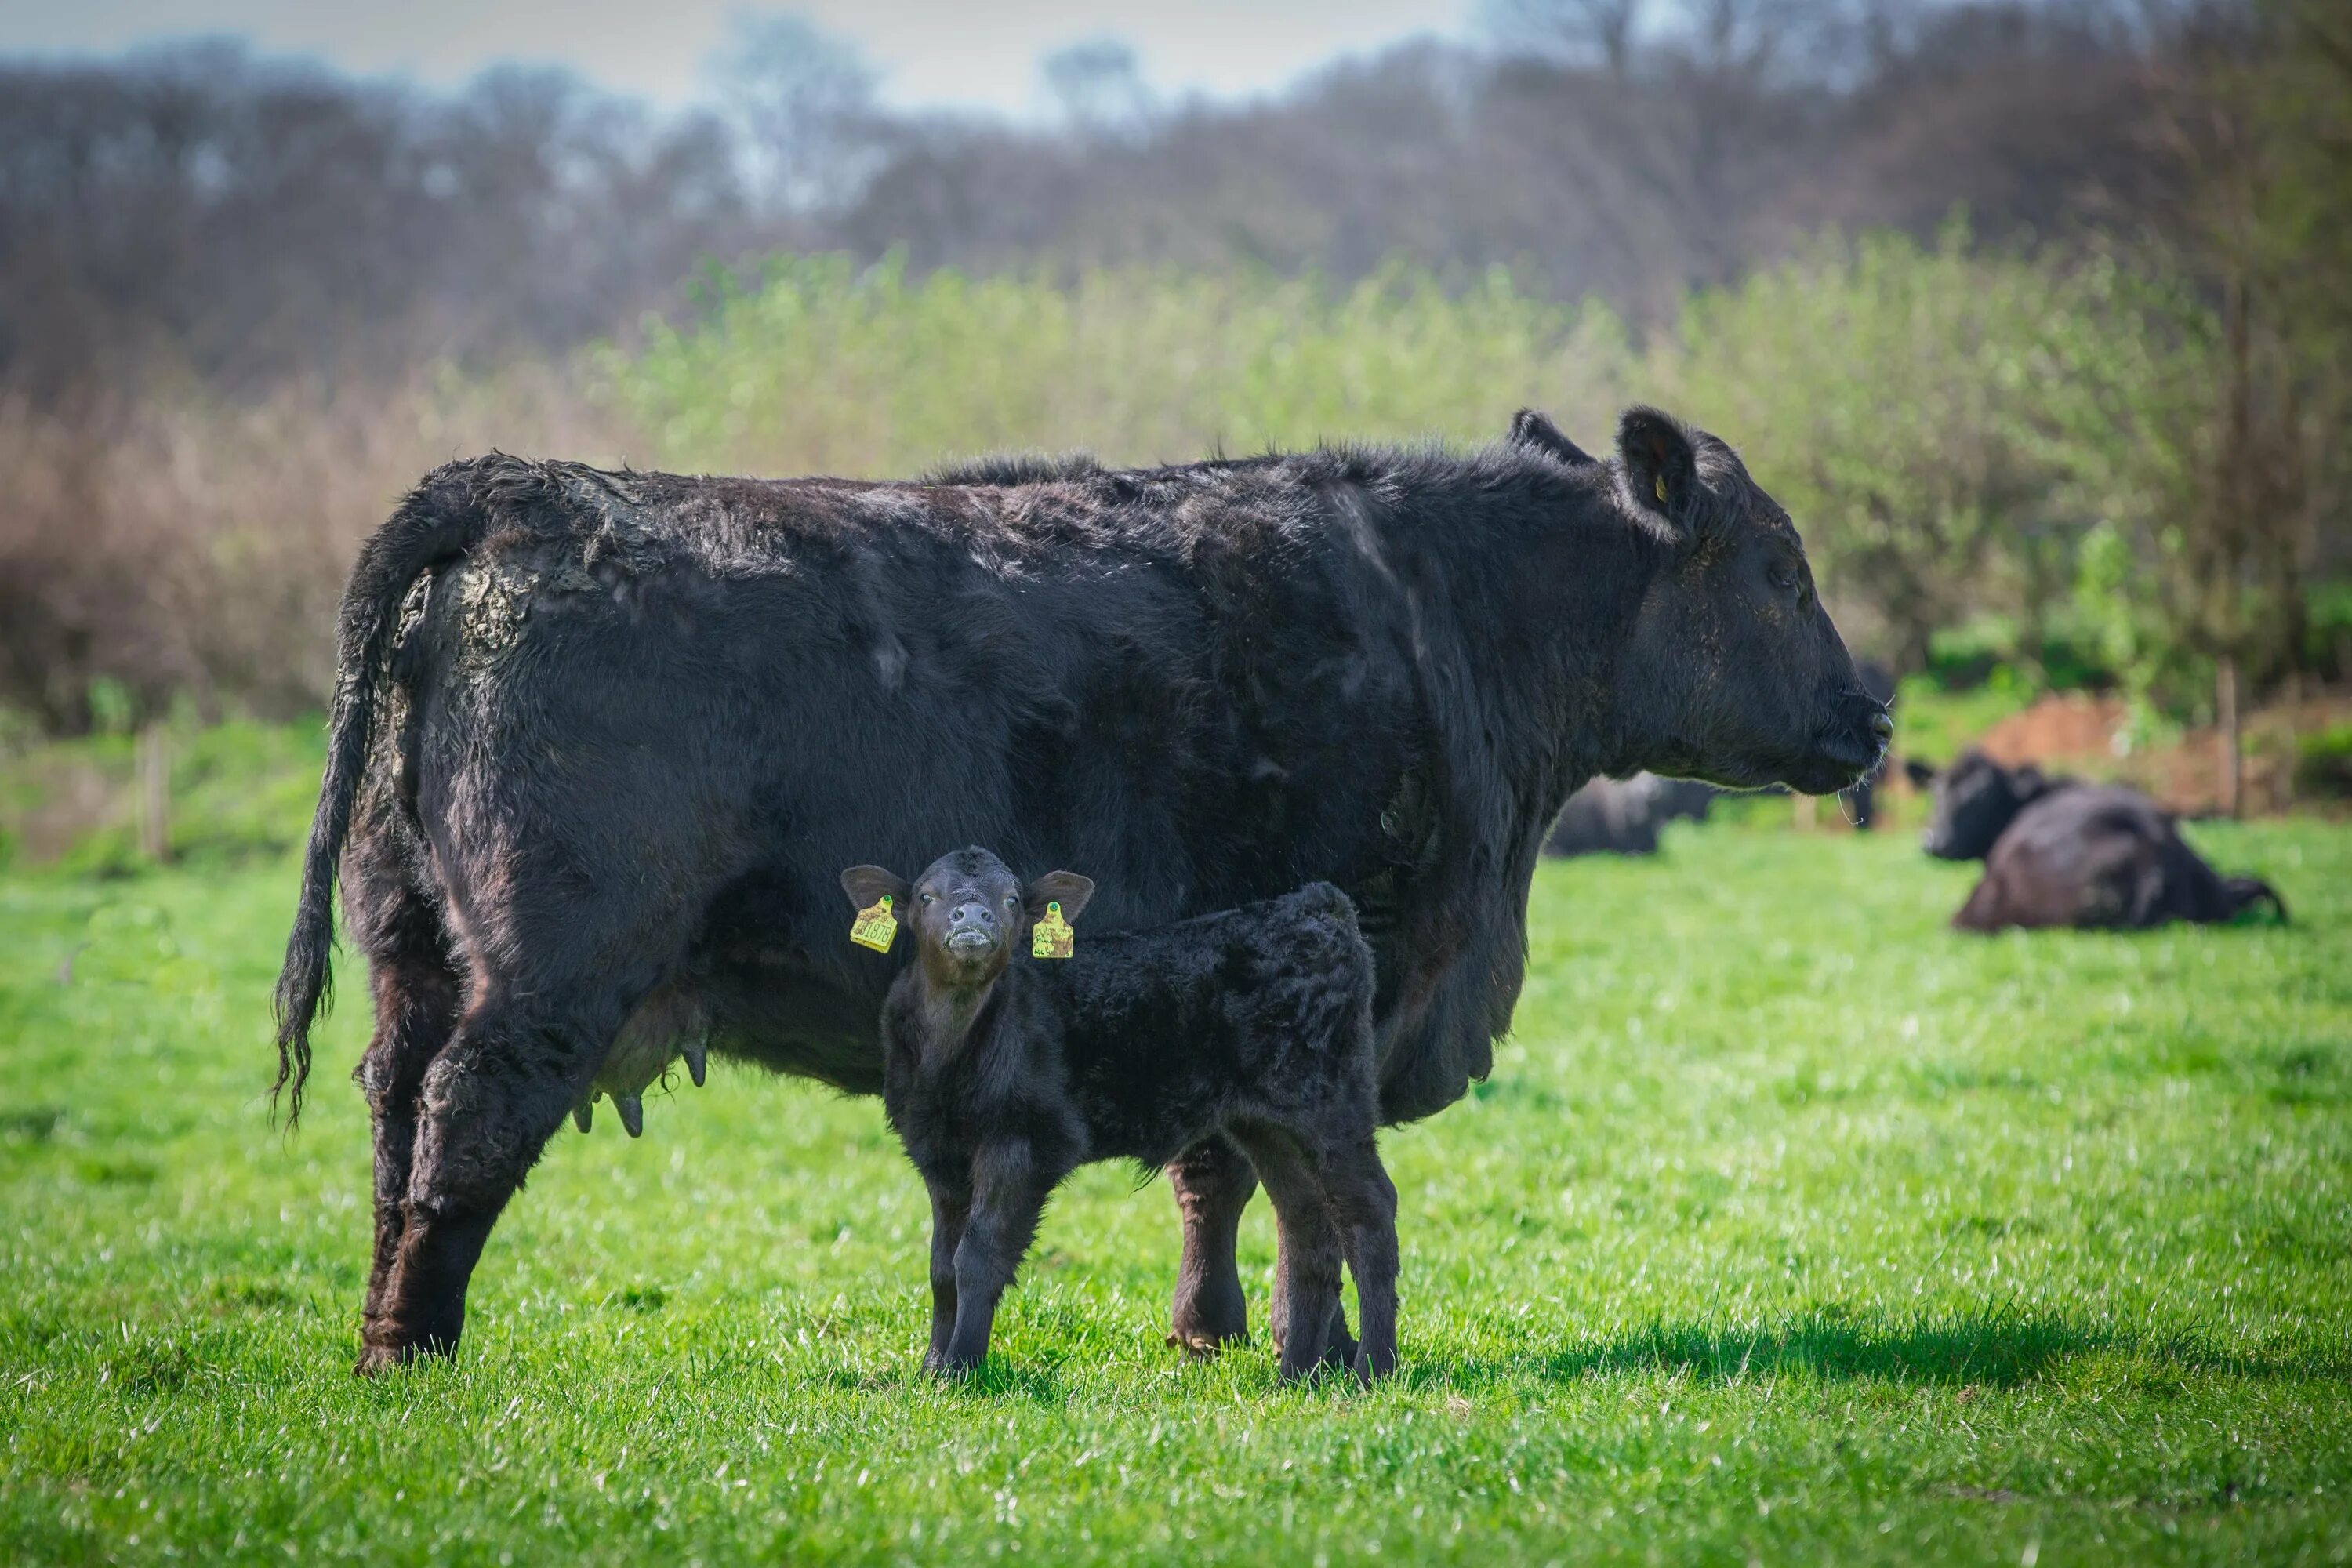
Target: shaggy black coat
(601, 741)
(1003, 1073)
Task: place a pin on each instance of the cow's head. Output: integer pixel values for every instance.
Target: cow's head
(969, 914)
(1975, 800)
(1735, 675)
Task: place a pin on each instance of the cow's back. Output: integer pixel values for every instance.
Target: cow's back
(718, 693)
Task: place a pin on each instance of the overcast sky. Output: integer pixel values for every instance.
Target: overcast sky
(933, 52)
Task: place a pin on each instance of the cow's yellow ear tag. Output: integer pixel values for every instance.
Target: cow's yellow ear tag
(877, 928)
(1661, 487)
(1052, 937)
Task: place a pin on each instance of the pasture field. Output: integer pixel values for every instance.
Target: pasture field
(1791, 1226)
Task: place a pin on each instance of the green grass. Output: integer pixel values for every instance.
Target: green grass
(1791, 1226)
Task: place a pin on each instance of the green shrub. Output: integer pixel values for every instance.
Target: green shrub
(2323, 764)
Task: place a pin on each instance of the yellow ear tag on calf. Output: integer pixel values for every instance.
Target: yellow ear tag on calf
(1052, 937)
(877, 928)
(1661, 487)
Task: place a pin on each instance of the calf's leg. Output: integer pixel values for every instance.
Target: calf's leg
(1306, 1271)
(950, 1213)
(1363, 1202)
(1214, 1184)
(1008, 1195)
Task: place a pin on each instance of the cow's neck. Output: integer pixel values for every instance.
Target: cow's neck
(1549, 624)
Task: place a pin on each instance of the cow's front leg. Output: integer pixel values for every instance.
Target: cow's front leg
(1214, 1184)
(1009, 1189)
(950, 1213)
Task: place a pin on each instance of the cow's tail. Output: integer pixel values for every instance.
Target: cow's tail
(437, 521)
(2239, 894)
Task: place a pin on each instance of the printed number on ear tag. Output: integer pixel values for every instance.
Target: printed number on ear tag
(877, 928)
(1052, 937)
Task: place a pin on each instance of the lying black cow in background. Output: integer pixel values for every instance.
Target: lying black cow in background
(1626, 816)
(2059, 852)
(602, 743)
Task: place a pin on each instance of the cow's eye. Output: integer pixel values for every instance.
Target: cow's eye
(1785, 578)
(1010, 901)
(928, 897)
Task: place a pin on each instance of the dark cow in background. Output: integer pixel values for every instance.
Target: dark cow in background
(600, 742)
(1626, 816)
(2059, 852)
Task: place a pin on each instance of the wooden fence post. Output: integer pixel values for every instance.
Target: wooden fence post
(155, 766)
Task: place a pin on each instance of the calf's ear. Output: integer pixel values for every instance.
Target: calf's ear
(1921, 773)
(1067, 888)
(1533, 431)
(1661, 464)
(866, 884)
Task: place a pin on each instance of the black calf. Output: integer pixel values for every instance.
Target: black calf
(1003, 1075)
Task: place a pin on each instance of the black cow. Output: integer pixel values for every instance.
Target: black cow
(1975, 800)
(1626, 816)
(2059, 852)
(1002, 1074)
(601, 741)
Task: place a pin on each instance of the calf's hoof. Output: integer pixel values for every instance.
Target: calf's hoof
(948, 1367)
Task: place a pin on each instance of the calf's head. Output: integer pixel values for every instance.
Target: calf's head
(1735, 675)
(969, 915)
(1975, 800)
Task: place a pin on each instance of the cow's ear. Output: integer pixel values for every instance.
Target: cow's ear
(865, 885)
(1067, 888)
(1538, 434)
(1921, 773)
(1661, 465)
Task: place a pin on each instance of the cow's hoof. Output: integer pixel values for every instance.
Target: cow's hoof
(1208, 1321)
(1205, 1347)
(375, 1359)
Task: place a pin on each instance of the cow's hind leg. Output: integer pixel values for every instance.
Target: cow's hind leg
(416, 1001)
(490, 1101)
(1213, 1183)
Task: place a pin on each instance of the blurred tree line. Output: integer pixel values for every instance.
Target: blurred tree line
(2038, 315)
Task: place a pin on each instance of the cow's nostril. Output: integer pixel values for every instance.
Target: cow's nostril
(1882, 724)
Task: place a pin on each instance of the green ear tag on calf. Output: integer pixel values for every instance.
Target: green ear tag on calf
(1052, 937)
(875, 928)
